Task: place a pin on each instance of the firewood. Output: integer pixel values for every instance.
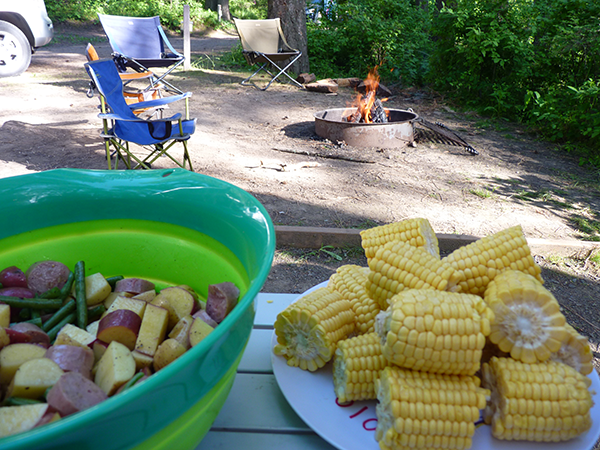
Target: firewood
(305, 78)
(348, 82)
(326, 86)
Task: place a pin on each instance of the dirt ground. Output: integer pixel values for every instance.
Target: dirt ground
(265, 143)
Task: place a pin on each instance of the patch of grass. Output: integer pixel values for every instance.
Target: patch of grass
(366, 225)
(482, 193)
(590, 228)
(75, 39)
(230, 61)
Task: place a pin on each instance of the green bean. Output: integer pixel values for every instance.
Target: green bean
(36, 321)
(24, 314)
(113, 280)
(20, 401)
(59, 315)
(66, 289)
(54, 331)
(80, 295)
(34, 303)
(96, 312)
(51, 293)
(132, 381)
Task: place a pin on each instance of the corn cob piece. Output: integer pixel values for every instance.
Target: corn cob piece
(398, 266)
(544, 402)
(528, 323)
(575, 352)
(435, 331)
(419, 410)
(350, 280)
(480, 261)
(416, 232)
(308, 330)
(357, 363)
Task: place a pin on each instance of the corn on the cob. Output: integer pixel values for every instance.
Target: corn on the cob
(528, 323)
(350, 280)
(435, 331)
(308, 330)
(419, 410)
(398, 266)
(480, 261)
(544, 402)
(575, 352)
(416, 232)
(357, 363)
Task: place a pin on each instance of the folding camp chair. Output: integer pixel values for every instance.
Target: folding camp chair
(132, 94)
(122, 127)
(139, 43)
(263, 42)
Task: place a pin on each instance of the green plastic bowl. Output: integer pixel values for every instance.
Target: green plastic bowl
(169, 226)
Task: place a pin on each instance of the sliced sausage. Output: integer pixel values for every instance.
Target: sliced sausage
(221, 299)
(71, 358)
(73, 393)
(134, 286)
(37, 335)
(44, 275)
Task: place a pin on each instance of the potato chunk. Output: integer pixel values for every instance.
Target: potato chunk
(17, 419)
(115, 368)
(33, 378)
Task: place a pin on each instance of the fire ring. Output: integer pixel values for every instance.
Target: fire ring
(397, 132)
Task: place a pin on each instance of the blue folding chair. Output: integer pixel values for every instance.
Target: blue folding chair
(122, 127)
(139, 43)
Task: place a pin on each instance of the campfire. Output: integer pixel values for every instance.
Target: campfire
(368, 108)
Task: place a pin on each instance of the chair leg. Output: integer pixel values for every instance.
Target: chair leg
(245, 82)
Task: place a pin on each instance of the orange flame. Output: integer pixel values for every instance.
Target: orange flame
(364, 103)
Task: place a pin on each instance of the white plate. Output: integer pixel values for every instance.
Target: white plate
(351, 426)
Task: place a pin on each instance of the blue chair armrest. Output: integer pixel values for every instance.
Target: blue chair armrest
(113, 116)
(159, 101)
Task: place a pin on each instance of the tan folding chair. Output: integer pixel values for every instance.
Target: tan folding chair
(263, 42)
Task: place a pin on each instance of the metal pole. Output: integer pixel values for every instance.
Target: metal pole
(186, 38)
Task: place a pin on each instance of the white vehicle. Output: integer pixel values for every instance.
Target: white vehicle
(24, 26)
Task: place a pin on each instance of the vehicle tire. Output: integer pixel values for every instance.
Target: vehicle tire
(15, 50)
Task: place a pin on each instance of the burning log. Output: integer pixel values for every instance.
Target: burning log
(369, 109)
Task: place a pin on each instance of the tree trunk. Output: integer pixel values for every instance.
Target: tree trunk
(293, 21)
(226, 15)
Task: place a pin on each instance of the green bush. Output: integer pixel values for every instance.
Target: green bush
(355, 36)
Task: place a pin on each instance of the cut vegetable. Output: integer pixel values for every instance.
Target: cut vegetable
(419, 410)
(398, 266)
(351, 281)
(357, 365)
(309, 329)
(416, 232)
(544, 402)
(575, 351)
(480, 261)
(435, 331)
(528, 323)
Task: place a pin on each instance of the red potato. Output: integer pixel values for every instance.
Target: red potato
(133, 286)
(71, 358)
(73, 393)
(221, 299)
(203, 315)
(122, 326)
(17, 419)
(36, 334)
(17, 337)
(44, 275)
(99, 347)
(198, 331)
(178, 302)
(20, 292)
(4, 338)
(13, 277)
